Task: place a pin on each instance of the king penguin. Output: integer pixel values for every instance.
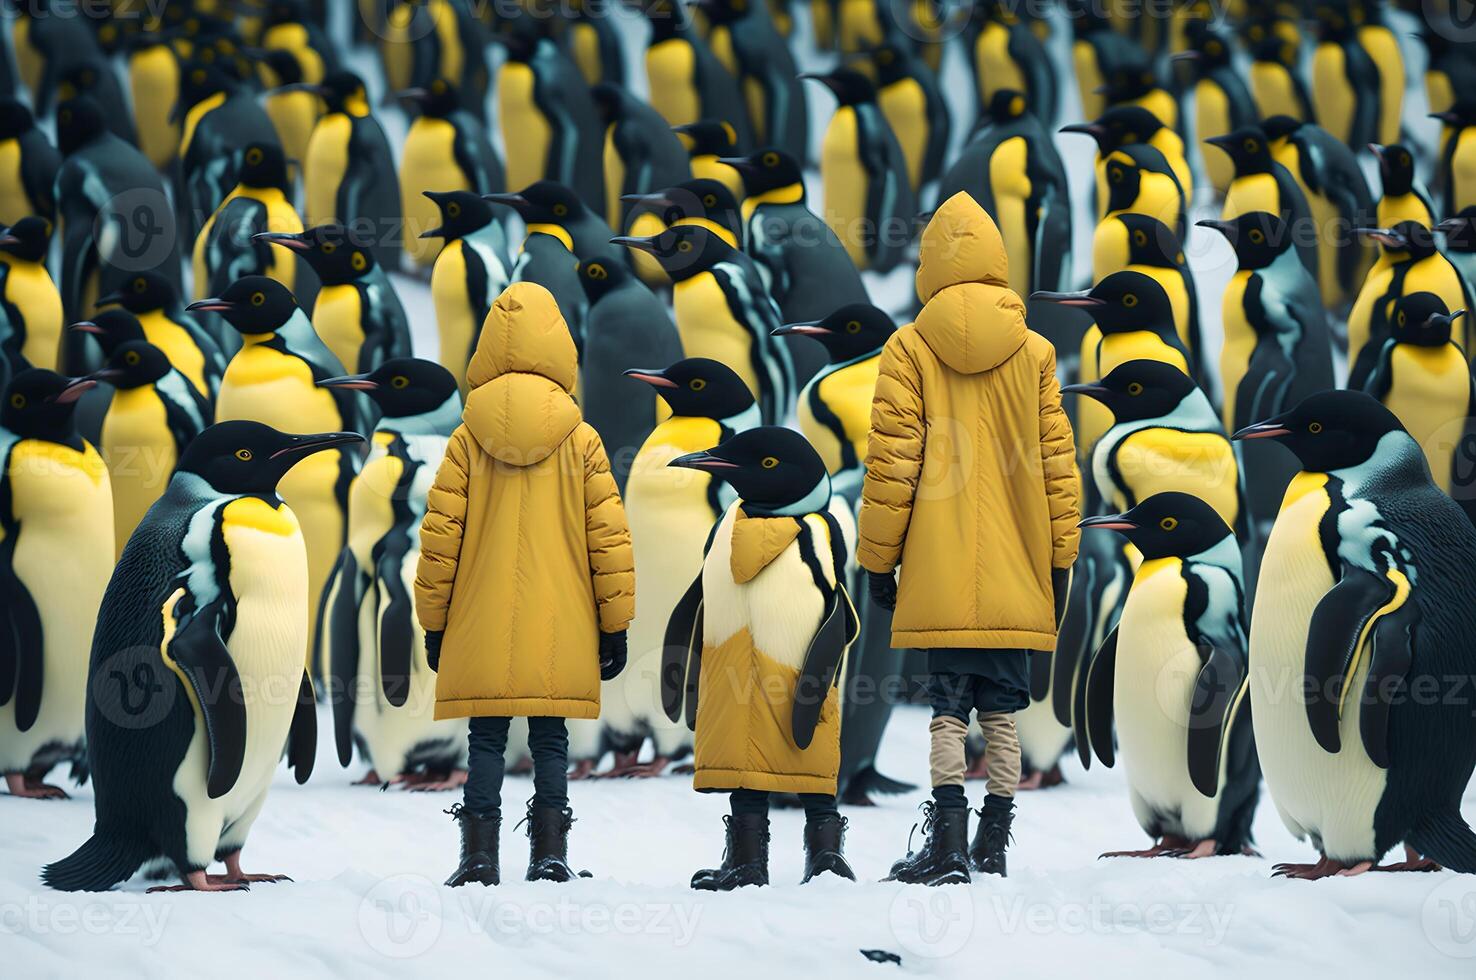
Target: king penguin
(551, 208)
(1222, 102)
(28, 165)
(293, 104)
(1275, 75)
(30, 306)
(1006, 54)
(1460, 249)
(1262, 184)
(56, 549)
(260, 202)
(1357, 74)
(151, 297)
(708, 142)
(220, 117)
(471, 270)
(1123, 127)
(1403, 197)
(1139, 181)
(153, 82)
(349, 172)
(206, 615)
(1455, 171)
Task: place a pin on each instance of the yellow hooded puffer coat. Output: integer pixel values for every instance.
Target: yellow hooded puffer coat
(969, 479)
(525, 553)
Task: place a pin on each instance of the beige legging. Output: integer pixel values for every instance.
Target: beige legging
(1001, 751)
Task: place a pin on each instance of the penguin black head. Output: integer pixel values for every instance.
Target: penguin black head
(79, 121)
(198, 81)
(1406, 238)
(437, 100)
(698, 387)
(343, 91)
(543, 202)
(703, 198)
(1280, 127)
(27, 239)
(775, 470)
(708, 137)
(15, 119)
(766, 170)
(852, 331)
(331, 250)
(1123, 301)
(1004, 105)
(143, 292)
(726, 11)
(402, 386)
(1396, 168)
(1124, 170)
(1460, 231)
(668, 18)
(520, 37)
(252, 304)
(263, 165)
(1167, 525)
(682, 250)
(611, 100)
(1128, 83)
(1460, 115)
(1247, 149)
(133, 364)
(599, 277)
(1119, 126)
(1208, 49)
(1150, 241)
(1139, 389)
(848, 85)
(284, 66)
(1258, 237)
(1422, 319)
(1331, 430)
(462, 212)
(112, 327)
(242, 457)
(892, 62)
(39, 404)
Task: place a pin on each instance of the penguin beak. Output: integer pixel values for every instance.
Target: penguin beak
(111, 299)
(211, 305)
(1081, 299)
(1093, 391)
(1109, 522)
(704, 460)
(1093, 130)
(283, 238)
(647, 244)
(105, 374)
(353, 382)
(1186, 56)
(1223, 141)
(809, 328)
(1223, 227)
(653, 377)
(1378, 152)
(9, 240)
(1449, 117)
(416, 95)
(740, 164)
(1449, 226)
(74, 390)
(1269, 429)
(1387, 237)
(657, 200)
(515, 201)
(437, 232)
(1448, 319)
(86, 326)
(299, 446)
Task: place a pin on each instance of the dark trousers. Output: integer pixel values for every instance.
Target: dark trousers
(548, 743)
(756, 802)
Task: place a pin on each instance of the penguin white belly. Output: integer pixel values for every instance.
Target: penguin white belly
(268, 577)
(1330, 797)
(63, 556)
(1043, 739)
(1157, 665)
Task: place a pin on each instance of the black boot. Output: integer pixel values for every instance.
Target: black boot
(478, 847)
(745, 859)
(987, 853)
(942, 859)
(825, 839)
(548, 843)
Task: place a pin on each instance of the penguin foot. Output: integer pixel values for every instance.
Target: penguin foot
(685, 769)
(1202, 849)
(371, 778)
(624, 764)
(1043, 778)
(1326, 868)
(31, 787)
(1167, 846)
(234, 874)
(438, 782)
(583, 769)
(647, 770)
(199, 881)
(1413, 861)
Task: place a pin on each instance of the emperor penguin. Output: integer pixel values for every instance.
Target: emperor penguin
(1222, 102)
(708, 142)
(201, 632)
(1424, 378)
(1122, 127)
(1455, 171)
(1173, 676)
(671, 515)
(1277, 350)
(152, 299)
(1357, 75)
(1005, 53)
(551, 208)
(1263, 184)
(349, 172)
(260, 202)
(287, 26)
(869, 202)
(30, 333)
(384, 691)
(1403, 197)
(1276, 82)
(1360, 596)
(446, 150)
(627, 326)
(743, 39)
(911, 99)
(641, 153)
(219, 117)
(1151, 248)
(470, 271)
(293, 105)
(686, 81)
(357, 314)
(1139, 181)
(272, 379)
(723, 312)
(28, 165)
(56, 549)
(154, 414)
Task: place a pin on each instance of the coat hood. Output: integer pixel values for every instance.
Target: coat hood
(757, 541)
(522, 377)
(971, 318)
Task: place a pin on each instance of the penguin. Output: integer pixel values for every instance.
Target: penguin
(708, 142)
(1276, 83)
(470, 271)
(792, 247)
(1460, 249)
(1222, 102)
(593, 42)
(1338, 199)
(292, 104)
(723, 312)
(911, 98)
(272, 379)
(1449, 69)
(627, 326)
(1360, 595)
(219, 118)
(288, 27)
(700, 201)
(206, 614)
(107, 185)
(1277, 349)
(1262, 184)
(1006, 54)
(1098, 52)
(553, 209)
(30, 306)
(744, 41)
(641, 153)
(858, 24)
(1353, 96)
(1011, 168)
(357, 315)
(869, 202)
(1123, 127)
(154, 414)
(1455, 172)
(1424, 378)
(150, 297)
(547, 260)
(260, 202)
(56, 515)
(28, 165)
(1138, 84)
(384, 690)
(349, 172)
(1139, 181)
(686, 81)
(77, 66)
(1172, 675)
(153, 83)
(550, 126)
(1404, 198)
(429, 39)
(445, 150)
(1414, 266)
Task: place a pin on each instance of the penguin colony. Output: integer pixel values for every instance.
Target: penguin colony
(216, 436)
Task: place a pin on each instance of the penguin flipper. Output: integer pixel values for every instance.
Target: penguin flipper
(21, 639)
(838, 627)
(1041, 662)
(340, 638)
(198, 652)
(1392, 654)
(1216, 691)
(1335, 638)
(302, 736)
(1093, 721)
(683, 642)
(396, 629)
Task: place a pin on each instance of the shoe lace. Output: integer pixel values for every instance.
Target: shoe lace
(928, 808)
(456, 810)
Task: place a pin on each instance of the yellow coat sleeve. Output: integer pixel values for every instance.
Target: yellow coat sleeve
(441, 533)
(894, 460)
(1057, 457)
(611, 561)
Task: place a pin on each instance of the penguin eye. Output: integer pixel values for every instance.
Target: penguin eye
(1130, 138)
(771, 159)
(697, 384)
(131, 357)
(17, 401)
(1115, 175)
(884, 57)
(1401, 318)
(1017, 105)
(769, 462)
(328, 248)
(684, 246)
(1256, 236)
(359, 262)
(1168, 523)
(853, 326)
(709, 200)
(1130, 300)
(253, 156)
(399, 381)
(1140, 237)
(258, 298)
(1315, 428)
(139, 285)
(596, 271)
(1252, 145)
(1135, 388)
(560, 210)
(244, 455)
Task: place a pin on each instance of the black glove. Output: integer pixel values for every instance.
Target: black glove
(1061, 588)
(883, 588)
(433, 640)
(612, 655)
